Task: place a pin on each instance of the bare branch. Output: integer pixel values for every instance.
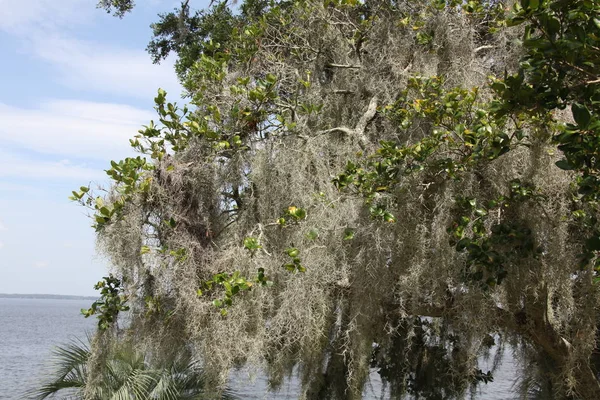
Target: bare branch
(348, 66)
(367, 117)
(343, 91)
(361, 126)
(480, 48)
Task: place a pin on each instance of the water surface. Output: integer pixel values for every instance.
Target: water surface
(30, 328)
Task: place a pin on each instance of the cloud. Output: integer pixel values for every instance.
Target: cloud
(66, 139)
(40, 264)
(71, 128)
(93, 66)
(46, 30)
(18, 166)
(19, 16)
(1, 245)
(20, 188)
(2, 226)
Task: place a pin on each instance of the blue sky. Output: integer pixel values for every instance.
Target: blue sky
(76, 85)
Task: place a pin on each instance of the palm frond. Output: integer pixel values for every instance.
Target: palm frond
(126, 375)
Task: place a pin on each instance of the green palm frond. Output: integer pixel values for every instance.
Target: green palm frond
(71, 359)
(126, 375)
(69, 362)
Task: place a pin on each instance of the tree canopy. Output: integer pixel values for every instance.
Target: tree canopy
(399, 185)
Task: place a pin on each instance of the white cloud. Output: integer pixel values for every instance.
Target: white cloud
(100, 112)
(20, 188)
(2, 226)
(1, 245)
(40, 264)
(99, 131)
(45, 30)
(15, 166)
(90, 66)
(19, 16)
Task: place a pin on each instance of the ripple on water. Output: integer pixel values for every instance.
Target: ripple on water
(29, 329)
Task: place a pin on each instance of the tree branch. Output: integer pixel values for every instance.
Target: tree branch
(343, 91)
(348, 66)
(361, 125)
(366, 118)
(480, 48)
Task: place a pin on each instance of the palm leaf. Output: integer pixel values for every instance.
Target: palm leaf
(126, 375)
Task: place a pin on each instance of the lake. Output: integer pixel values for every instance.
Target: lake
(29, 328)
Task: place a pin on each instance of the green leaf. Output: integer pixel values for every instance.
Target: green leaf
(290, 266)
(388, 217)
(581, 115)
(348, 234)
(271, 78)
(462, 244)
(552, 26)
(300, 213)
(515, 21)
(312, 234)
(593, 243)
(251, 243)
(564, 164)
(292, 252)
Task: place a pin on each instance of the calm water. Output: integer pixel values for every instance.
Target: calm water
(29, 328)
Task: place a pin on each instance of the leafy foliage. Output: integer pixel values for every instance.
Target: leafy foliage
(126, 374)
(118, 7)
(112, 301)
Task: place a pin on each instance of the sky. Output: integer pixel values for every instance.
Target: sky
(75, 85)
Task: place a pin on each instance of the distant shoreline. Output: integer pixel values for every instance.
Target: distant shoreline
(45, 296)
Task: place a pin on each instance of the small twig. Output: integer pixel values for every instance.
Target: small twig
(348, 66)
(343, 91)
(340, 129)
(485, 47)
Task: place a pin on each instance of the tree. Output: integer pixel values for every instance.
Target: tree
(299, 212)
(118, 7)
(126, 373)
